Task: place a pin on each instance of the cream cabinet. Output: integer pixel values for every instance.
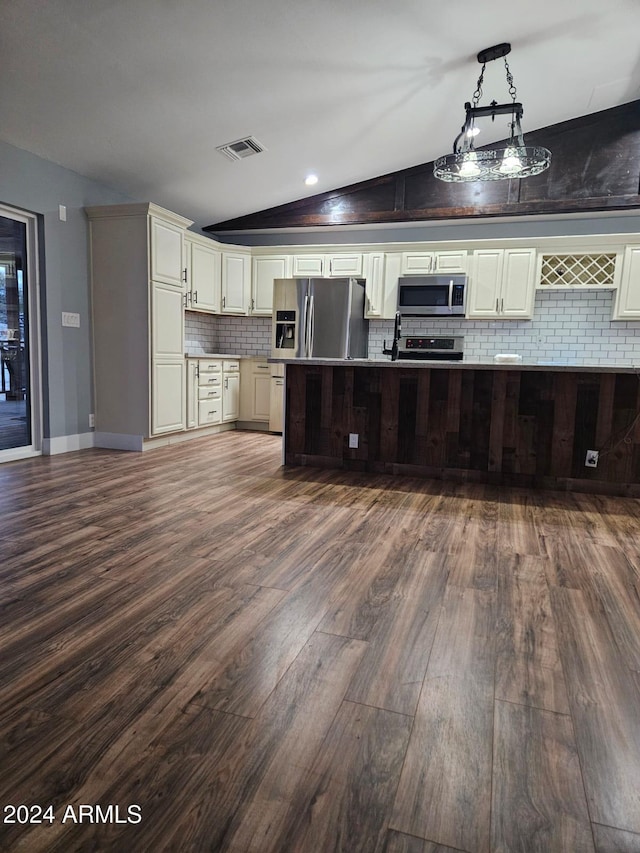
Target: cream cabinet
(276, 403)
(166, 246)
(137, 280)
(391, 273)
(230, 390)
(627, 301)
(422, 263)
(502, 284)
(329, 265)
(167, 323)
(168, 395)
(192, 393)
(255, 381)
(264, 270)
(203, 273)
(236, 282)
(374, 266)
(209, 392)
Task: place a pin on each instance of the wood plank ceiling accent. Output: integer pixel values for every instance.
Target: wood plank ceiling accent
(595, 166)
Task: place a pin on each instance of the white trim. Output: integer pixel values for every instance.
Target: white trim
(67, 443)
(35, 338)
(14, 454)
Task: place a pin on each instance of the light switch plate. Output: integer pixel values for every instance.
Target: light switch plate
(353, 439)
(70, 319)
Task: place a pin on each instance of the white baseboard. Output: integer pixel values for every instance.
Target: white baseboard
(67, 443)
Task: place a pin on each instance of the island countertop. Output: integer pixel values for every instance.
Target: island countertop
(559, 365)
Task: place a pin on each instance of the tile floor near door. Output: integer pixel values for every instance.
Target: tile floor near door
(267, 659)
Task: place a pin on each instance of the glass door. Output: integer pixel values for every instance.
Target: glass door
(19, 412)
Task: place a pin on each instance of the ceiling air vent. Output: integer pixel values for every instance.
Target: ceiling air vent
(241, 148)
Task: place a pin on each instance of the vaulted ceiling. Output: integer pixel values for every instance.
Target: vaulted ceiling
(137, 94)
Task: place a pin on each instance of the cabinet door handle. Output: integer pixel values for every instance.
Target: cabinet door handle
(224, 301)
(502, 306)
(184, 297)
(253, 304)
(194, 298)
(184, 274)
(226, 383)
(497, 309)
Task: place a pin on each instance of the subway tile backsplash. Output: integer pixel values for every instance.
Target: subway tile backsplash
(566, 326)
(205, 333)
(572, 326)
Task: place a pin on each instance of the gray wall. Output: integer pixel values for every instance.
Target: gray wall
(39, 186)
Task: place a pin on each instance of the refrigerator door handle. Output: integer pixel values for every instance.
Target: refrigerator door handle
(311, 325)
(305, 326)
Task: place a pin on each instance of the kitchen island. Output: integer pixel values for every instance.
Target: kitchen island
(523, 424)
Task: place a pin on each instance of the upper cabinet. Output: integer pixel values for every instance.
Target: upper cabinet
(424, 263)
(374, 266)
(166, 241)
(265, 269)
(332, 265)
(203, 268)
(236, 281)
(502, 284)
(627, 303)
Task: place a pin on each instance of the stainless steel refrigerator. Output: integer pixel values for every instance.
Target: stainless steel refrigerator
(319, 318)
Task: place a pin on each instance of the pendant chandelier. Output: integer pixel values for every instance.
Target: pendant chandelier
(512, 159)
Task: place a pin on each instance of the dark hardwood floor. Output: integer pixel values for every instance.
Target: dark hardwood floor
(267, 659)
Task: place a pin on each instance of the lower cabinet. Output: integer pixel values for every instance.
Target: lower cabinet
(209, 392)
(192, 393)
(276, 404)
(168, 396)
(230, 390)
(255, 381)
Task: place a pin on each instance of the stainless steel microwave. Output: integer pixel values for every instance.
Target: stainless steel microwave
(432, 295)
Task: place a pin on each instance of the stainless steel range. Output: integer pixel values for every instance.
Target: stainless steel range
(423, 347)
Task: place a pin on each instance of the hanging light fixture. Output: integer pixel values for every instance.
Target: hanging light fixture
(511, 160)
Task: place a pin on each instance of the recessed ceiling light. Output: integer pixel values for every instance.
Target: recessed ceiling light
(310, 180)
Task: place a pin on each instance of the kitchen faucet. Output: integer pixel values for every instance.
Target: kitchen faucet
(397, 334)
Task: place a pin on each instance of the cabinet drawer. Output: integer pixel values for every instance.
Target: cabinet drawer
(231, 366)
(209, 412)
(210, 366)
(207, 392)
(210, 380)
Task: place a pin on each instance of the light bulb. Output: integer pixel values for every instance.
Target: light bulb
(511, 162)
(469, 167)
(473, 131)
(310, 180)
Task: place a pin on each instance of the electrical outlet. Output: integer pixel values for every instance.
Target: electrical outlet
(591, 460)
(92, 421)
(69, 318)
(353, 439)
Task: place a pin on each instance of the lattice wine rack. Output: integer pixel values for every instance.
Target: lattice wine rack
(578, 270)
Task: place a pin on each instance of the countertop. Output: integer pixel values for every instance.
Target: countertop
(218, 355)
(628, 366)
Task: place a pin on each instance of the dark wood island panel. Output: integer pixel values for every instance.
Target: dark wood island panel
(512, 427)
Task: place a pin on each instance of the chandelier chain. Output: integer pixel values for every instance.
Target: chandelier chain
(511, 84)
(478, 92)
